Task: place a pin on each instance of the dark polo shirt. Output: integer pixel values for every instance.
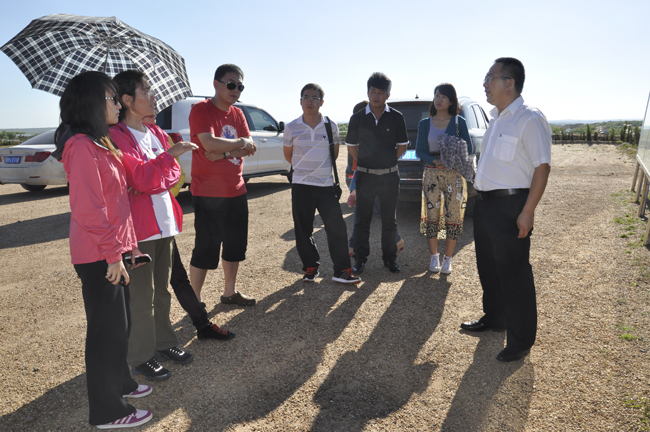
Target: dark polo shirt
(377, 141)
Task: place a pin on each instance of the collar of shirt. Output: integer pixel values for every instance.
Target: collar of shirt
(323, 120)
(386, 109)
(514, 106)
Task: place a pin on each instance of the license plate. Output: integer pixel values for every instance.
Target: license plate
(409, 155)
(12, 159)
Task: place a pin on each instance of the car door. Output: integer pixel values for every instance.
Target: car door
(265, 131)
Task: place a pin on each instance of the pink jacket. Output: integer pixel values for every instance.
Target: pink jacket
(147, 177)
(101, 227)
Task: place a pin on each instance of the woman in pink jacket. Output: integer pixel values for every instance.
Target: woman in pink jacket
(101, 230)
(151, 171)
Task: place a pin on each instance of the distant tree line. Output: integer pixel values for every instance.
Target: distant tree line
(627, 133)
(12, 138)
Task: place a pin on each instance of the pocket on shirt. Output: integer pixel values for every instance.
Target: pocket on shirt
(505, 148)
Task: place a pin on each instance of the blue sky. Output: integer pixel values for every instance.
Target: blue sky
(582, 62)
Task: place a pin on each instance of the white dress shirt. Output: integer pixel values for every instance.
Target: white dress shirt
(517, 141)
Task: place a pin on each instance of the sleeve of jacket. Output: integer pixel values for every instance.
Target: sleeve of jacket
(464, 134)
(149, 177)
(422, 142)
(88, 205)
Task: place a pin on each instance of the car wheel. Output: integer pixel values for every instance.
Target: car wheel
(32, 188)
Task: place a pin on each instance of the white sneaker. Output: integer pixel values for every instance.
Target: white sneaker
(434, 266)
(446, 265)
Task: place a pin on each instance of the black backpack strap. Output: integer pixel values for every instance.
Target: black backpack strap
(328, 128)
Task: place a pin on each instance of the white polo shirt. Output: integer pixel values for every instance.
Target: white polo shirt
(517, 141)
(312, 164)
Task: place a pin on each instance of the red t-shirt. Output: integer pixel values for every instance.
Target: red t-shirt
(222, 178)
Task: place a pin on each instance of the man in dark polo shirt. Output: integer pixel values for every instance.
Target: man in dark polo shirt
(376, 139)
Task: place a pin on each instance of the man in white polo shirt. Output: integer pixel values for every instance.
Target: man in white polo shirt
(307, 147)
(510, 180)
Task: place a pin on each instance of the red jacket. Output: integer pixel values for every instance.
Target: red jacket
(147, 177)
(101, 227)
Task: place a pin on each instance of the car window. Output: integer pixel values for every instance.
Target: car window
(44, 138)
(470, 117)
(479, 116)
(164, 118)
(261, 120)
(413, 113)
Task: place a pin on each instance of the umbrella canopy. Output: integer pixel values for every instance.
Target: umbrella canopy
(53, 49)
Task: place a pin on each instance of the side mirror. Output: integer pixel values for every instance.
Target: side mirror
(281, 125)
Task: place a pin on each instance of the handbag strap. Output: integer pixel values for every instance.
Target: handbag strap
(457, 132)
(328, 128)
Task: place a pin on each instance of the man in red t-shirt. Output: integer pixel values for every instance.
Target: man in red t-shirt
(218, 189)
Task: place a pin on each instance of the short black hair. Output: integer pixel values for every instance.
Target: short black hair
(379, 81)
(127, 83)
(513, 68)
(312, 86)
(224, 69)
(448, 90)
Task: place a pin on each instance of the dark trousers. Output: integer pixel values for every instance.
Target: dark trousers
(386, 187)
(184, 293)
(108, 315)
(305, 200)
(504, 269)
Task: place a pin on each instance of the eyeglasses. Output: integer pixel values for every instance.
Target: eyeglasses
(114, 99)
(231, 85)
(310, 98)
(148, 93)
(490, 78)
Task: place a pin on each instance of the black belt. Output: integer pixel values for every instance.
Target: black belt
(381, 171)
(500, 193)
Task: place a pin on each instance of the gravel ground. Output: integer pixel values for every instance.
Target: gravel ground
(385, 355)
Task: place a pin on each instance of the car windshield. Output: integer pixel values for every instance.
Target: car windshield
(413, 112)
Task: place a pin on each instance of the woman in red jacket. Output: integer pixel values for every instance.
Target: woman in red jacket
(101, 230)
(151, 171)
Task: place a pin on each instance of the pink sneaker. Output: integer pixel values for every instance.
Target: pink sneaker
(142, 391)
(139, 417)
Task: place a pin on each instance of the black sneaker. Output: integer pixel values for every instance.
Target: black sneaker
(310, 274)
(152, 371)
(176, 354)
(213, 331)
(346, 277)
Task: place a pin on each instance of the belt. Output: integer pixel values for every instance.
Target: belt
(381, 171)
(500, 193)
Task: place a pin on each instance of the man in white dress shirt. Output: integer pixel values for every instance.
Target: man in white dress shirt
(510, 180)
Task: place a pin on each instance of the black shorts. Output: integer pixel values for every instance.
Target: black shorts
(217, 221)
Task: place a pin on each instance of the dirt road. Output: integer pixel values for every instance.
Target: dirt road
(386, 355)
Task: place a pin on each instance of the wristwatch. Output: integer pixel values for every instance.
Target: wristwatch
(226, 154)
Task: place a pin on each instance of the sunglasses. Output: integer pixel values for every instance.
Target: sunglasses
(232, 85)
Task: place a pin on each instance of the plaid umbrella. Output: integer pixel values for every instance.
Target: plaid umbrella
(53, 49)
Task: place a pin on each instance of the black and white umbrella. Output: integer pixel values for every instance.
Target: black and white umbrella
(53, 49)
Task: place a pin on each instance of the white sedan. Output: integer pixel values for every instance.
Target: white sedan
(31, 165)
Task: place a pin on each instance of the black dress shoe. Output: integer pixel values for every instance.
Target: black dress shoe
(476, 326)
(511, 354)
(392, 266)
(359, 266)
